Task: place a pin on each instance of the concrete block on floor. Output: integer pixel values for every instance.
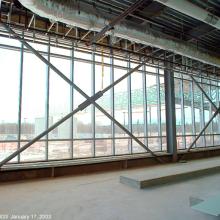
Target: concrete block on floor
(163, 174)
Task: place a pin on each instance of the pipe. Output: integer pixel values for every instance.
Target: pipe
(88, 19)
(193, 11)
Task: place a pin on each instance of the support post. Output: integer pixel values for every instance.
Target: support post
(170, 111)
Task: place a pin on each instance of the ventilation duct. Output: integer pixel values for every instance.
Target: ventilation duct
(90, 19)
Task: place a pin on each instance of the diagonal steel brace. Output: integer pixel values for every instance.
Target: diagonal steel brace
(90, 100)
(217, 111)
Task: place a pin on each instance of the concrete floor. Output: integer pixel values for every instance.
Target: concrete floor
(102, 197)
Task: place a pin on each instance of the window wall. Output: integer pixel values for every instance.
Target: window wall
(194, 110)
(33, 97)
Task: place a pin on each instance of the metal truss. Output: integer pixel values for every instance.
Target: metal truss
(89, 101)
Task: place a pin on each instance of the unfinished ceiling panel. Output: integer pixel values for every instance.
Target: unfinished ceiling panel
(78, 14)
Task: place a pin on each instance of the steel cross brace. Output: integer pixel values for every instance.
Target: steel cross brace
(217, 111)
(89, 100)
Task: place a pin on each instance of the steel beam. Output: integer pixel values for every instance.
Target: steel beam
(32, 18)
(48, 30)
(89, 100)
(111, 25)
(70, 29)
(85, 35)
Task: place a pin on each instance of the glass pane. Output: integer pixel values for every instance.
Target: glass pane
(137, 100)
(216, 140)
(9, 41)
(121, 101)
(137, 148)
(6, 149)
(59, 150)
(82, 124)
(33, 119)
(102, 77)
(59, 106)
(103, 147)
(36, 152)
(9, 94)
(152, 113)
(162, 106)
(154, 144)
(61, 64)
(122, 146)
(103, 124)
(82, 148)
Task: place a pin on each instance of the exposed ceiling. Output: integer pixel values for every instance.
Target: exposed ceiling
(162, 18)
(153, 15)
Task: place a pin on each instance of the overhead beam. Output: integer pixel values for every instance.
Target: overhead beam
(111, 25)
(85, 35)
(199, 31)
(70, 29)
(50, 27)
(89, 21)
(32, 19)
(188, 8)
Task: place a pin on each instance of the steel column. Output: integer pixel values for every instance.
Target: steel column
(183, 127)
(72, 99)
(47, 99)
(159, 108)
(202, 115)
(20, 95)
(210, 113)
(170, 111)
(129, 105)
(193, 110)
(145, 105)
(112, 100)
(93, 110)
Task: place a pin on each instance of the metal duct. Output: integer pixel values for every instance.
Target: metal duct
(89, 19)
(193, 11)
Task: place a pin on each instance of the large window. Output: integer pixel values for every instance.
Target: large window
(9, 99)
(33, 97)
(194, 110)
